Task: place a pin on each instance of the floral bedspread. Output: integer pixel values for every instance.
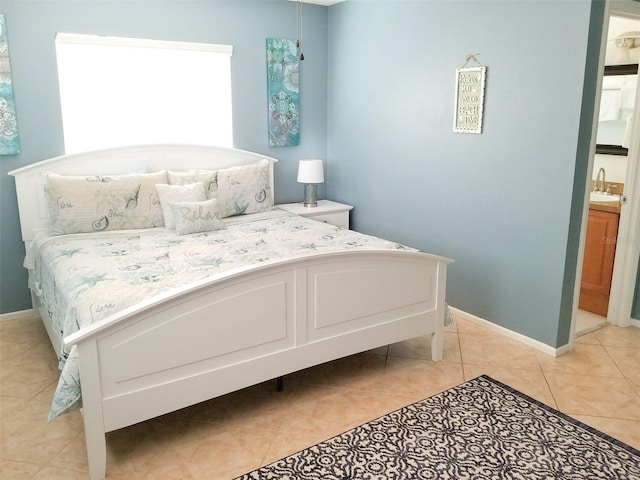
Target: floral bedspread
(83, 278)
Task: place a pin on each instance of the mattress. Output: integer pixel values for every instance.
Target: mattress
(83, 278)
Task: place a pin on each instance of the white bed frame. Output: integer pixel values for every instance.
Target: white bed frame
(270, 320)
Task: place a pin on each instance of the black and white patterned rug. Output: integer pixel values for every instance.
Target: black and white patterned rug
(479, 430)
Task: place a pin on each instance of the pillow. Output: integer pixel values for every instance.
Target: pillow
(80, 204)
(245, 189)
(241, 189)
(178, 193)
(208, 177)
(195, 217)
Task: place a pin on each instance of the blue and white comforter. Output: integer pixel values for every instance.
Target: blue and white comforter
(86, 277)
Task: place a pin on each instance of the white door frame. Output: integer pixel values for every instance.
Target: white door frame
(628, 241)
(625, 267)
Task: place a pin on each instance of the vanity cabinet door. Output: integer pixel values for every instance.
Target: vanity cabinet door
(597, 269)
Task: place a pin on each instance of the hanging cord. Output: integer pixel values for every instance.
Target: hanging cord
(471, 57)
(299, 27)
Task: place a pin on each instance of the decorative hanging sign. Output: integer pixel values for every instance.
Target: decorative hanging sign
(469, 101)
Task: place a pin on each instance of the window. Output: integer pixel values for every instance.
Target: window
(124, 91)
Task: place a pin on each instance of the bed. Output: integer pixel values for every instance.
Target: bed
(245, 320)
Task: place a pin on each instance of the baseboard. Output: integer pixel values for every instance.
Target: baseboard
(31, 313)
(541, 347)
(634, 323)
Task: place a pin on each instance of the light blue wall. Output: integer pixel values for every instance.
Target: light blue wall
(31, 27)
(499, 203)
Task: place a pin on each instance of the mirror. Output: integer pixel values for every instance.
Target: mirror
(616, 108)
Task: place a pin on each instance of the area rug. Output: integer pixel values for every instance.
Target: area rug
(481, 429)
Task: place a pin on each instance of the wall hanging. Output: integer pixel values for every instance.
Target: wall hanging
(9, 141)
(283, 92)
(469, 100)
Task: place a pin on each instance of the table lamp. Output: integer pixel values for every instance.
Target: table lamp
(310, 172)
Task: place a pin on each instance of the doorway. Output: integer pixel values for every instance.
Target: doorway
(609, 267)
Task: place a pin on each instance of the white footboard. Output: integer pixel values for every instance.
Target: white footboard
(227, 334)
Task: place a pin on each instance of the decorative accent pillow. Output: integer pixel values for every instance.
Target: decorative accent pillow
(208, 177)
(168, 194)
(241, 189)
(80, 204)
(195, 217)
(245, 189)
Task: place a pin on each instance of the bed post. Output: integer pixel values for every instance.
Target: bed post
(94, 428)
(437, 338)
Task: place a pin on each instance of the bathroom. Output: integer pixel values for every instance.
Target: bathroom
(609, 171)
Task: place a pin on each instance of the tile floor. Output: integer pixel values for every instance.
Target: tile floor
(588, 322)
(598, 383)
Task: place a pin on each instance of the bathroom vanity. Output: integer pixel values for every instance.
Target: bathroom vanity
(599, 254)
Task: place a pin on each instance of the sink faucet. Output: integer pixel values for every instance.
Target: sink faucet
(600, 183)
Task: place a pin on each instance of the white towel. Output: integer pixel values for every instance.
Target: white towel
(626, 141)
(628, 94)
(610, 105)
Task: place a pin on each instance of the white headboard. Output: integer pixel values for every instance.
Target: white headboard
(118, 161)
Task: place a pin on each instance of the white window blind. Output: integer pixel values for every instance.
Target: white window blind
(124, 91)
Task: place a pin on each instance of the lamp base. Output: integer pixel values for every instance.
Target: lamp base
(310, 195)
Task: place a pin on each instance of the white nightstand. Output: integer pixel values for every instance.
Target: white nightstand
(327, 211)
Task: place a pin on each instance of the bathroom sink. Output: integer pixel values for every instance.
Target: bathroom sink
(601, 197)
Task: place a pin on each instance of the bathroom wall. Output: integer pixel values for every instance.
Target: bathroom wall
(615, 167)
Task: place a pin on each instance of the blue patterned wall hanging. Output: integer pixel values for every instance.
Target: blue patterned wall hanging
(283, 92)
(9, 142)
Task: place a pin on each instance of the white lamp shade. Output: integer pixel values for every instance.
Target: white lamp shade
(310, 171)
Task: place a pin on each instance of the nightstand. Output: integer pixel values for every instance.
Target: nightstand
(327, 211)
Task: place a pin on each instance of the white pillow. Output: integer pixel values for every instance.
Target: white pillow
(195, 217)
(245, 189)
(178, 193)
(208, 177)
(80, 204)
(241, 189)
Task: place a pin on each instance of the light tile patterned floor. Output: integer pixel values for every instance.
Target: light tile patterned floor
(598, 383)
